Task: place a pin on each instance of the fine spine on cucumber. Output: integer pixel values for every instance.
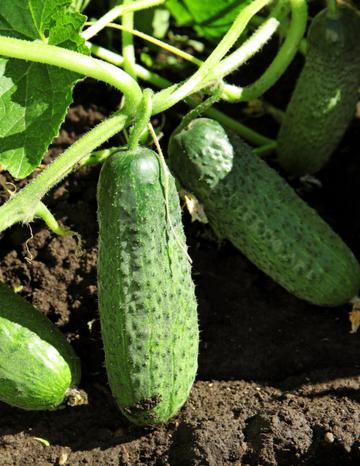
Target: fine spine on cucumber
(248, 203)
(38, 367)
(324, 99)
(147, 303)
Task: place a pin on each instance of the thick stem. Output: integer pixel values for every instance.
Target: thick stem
(22, 206)
(115, 13)
(173, 95)
(332, 9)
(227, 65)
(118, 60)
(282, 60)
(256, 41)
(73, 61)
(143, 119)
(162, 83)
(280, 13)
(128, 42)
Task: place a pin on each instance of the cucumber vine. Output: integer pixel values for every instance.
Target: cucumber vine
(23, 205)
(144, 117)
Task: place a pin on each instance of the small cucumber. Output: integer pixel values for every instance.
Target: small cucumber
(324, 100)
(147, 303)
(38, 367)
(251, 205)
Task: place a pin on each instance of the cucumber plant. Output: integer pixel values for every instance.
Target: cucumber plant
(146, 297)
(324, 100)
(46, 52)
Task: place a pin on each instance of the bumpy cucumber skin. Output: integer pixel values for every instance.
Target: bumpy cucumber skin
(324, 100)
(37, 364)
(251, 205)
(147, 304)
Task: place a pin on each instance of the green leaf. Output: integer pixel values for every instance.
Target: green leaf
(34, 97)
(153, 21)
(210, 18)
(180, 12)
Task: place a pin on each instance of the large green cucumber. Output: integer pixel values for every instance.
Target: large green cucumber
(251, 205)
(38, 367)
(324, 100)
(146, 296)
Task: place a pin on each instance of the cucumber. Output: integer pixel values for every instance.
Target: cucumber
(248, 203)
(147, 304)
(324, 100)
(38, 367)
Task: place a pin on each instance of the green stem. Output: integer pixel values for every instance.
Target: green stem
(332, 9)
(44, 213)
(143, 119)
(208, 72)
(128, 41)
(264, 150)
(73, 61)
(303, 46)
(257, 40)
(97, 157)
(279, 11)
(275, 112)
(201, 107)
(118, 60)
(233, 61)
(159, 43)
(23, 205)
(282, 60)
(247, 133)
(115, 13)
(169, 97)
(162, 83)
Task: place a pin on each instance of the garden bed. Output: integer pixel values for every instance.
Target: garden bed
(278, 380)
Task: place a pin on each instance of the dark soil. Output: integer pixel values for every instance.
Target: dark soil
(278, 380)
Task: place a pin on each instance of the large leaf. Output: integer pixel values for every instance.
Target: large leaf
(209, 17)
(33, 97)
(153, 21)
